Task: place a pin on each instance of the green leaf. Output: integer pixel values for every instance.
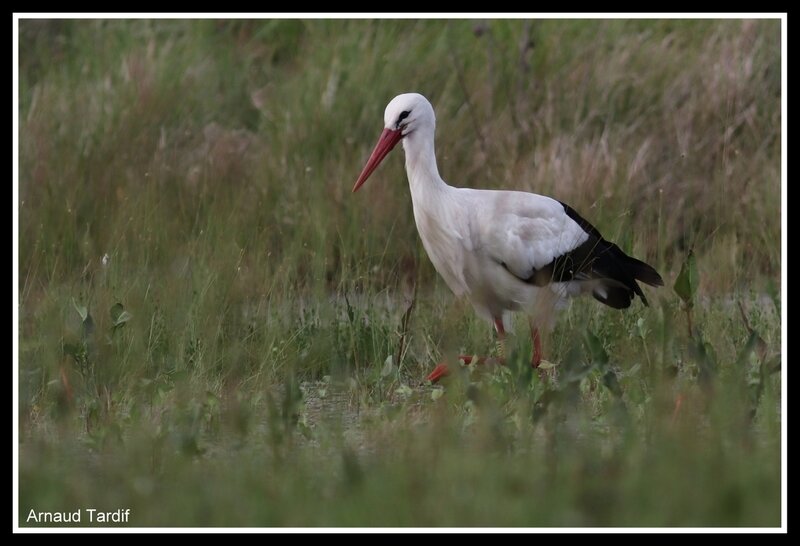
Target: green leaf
(404, 390)
(641, 327)
(388, 366)
(436, 394)
(212, 400)
(123, 318)
(81, 309)
(116, 311)
(119, 316)
(686, 283)
(546, 365)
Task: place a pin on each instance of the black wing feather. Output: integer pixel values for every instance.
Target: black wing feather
(598, 259)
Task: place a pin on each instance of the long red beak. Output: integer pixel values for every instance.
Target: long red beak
(389, 139)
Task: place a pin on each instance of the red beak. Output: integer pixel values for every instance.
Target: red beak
(389, 139)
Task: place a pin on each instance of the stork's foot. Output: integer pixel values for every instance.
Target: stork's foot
(438, 372)
(442, 369)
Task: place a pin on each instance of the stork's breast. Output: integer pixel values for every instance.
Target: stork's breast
(445, 250)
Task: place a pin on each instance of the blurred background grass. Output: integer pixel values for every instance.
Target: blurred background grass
(198, 173)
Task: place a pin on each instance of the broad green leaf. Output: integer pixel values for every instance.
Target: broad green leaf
(116, 311)
(686, 283)
(119, 316)
(81, 309)
(546, 365)
(212, 400)
(404, 390)
(123, 318)
(641, 327)
(388, 366)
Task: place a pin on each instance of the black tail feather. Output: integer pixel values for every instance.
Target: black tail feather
(643, 272)
(623, 271)
(603, 260)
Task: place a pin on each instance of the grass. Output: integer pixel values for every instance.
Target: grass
(214, 332)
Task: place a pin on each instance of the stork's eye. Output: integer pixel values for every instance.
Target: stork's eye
(403, 115)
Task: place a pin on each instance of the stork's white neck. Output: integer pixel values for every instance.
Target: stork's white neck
(423, 174)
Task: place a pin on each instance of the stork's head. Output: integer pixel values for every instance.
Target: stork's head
(404, 115)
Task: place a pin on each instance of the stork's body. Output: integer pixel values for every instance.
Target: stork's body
(505, 251)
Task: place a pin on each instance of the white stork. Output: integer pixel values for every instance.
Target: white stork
(505, 251)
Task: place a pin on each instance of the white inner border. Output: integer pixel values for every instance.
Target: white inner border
(15, 274)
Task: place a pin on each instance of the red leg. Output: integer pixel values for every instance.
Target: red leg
(442, 370)
(501, 331)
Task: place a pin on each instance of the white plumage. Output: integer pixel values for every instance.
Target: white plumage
(504, 250)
